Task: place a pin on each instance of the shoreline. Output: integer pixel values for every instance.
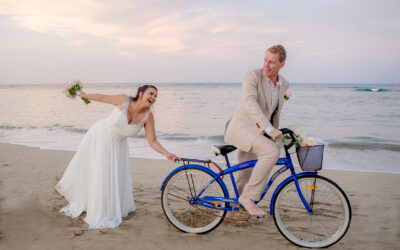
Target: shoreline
(219, 161)
(30, 217)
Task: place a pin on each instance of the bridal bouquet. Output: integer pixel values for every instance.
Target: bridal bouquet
(73, 89)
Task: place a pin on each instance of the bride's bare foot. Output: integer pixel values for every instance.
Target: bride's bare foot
(251, 207)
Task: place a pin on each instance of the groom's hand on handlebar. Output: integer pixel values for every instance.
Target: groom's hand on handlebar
(275, 134)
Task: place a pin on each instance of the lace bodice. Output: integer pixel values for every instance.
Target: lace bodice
(118, 120)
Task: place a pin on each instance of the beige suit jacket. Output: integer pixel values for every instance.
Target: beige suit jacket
(253, 115)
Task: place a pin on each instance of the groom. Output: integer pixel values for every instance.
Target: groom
(258, 113)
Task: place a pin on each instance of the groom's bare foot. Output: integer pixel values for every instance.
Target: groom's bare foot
(251, 207)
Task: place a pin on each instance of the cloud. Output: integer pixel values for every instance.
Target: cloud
(138, 28)
(322, 53)
(77, 42)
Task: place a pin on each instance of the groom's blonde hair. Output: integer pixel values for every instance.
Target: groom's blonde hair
(278, 49)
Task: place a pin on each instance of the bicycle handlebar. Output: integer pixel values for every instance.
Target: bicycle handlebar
(292, 136)
(285, 131)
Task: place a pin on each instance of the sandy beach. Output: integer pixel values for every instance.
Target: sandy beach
(30, 217)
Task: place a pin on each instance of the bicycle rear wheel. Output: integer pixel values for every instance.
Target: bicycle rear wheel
(178, 201)
(325, 225)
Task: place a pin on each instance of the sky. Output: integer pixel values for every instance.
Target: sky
(127, 41)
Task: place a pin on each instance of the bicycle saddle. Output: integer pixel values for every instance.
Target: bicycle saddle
(222, 149)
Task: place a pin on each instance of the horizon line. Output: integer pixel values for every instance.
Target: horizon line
(162, 83)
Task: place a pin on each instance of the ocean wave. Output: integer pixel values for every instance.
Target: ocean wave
(177, 137)
(166, 136)
(372, 90)
(365, 146)
(67, 128)
(353, 143)
(8, 127)
(368, 139)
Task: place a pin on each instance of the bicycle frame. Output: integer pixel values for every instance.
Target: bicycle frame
(213, 202)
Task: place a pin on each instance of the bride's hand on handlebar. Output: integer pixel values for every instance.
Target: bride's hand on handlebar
(275, 134)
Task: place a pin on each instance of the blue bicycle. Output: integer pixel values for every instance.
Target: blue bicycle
(308, 209)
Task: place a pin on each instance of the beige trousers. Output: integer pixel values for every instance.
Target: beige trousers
(251, 182)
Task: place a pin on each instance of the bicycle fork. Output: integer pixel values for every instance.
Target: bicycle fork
(303, 199)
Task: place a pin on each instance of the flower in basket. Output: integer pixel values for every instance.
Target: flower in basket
(301, 139)
(73, 89)
(287, 95)
(310, 141)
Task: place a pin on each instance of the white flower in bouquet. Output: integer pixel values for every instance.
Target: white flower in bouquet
(73, 89)
(310, 141)
(301, 139)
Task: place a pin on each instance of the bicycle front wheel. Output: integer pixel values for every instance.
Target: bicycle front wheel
(328, 221)
(186, 213)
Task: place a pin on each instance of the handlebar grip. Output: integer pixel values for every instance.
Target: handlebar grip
(285, 131)
(292, 136)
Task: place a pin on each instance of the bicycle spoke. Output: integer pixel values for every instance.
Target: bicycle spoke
(184, 215)
(328, 220)
(181, 189)
(178, 197)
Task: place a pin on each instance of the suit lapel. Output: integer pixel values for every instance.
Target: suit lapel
(281, 100)
(280, 95)
(267, 91)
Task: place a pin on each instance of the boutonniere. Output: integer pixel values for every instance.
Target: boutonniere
(287, 95)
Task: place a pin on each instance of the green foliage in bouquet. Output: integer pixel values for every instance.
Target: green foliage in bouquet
(72, 89)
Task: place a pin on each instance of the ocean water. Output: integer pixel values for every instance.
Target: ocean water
(359, 124)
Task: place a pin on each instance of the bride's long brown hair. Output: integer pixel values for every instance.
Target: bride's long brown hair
(142, 89)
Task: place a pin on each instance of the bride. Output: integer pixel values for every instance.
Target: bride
(98, 178)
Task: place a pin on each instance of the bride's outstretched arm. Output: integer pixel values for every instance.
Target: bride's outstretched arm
(152, 139)
(111, 99)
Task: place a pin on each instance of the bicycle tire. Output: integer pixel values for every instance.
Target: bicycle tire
(330, 217)
(176, 196)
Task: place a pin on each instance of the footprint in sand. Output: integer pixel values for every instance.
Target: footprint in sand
(77, 222)
(130, 215)
(57, 203)
(78, 232)
(104, 231)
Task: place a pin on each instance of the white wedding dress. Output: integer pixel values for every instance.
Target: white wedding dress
(98, 178)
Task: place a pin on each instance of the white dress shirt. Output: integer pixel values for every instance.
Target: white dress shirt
(274, 99)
